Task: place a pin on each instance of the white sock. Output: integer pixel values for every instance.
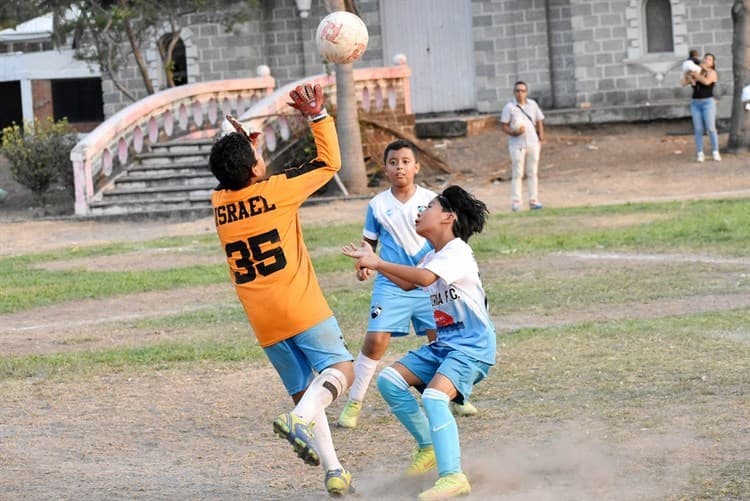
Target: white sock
(364, 369)
(324, 442)
(324, 389)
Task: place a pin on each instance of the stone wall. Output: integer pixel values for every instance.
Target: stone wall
(571, 53)
(278, 37)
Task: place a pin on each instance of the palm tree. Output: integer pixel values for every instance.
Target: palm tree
(739, 129)
(353, 173)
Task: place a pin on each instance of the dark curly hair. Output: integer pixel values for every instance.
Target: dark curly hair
(471, 214)
(231, 160)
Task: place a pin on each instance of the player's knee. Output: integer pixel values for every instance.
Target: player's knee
(333, 380)
(347, 369)
(391, 384)
(375, 344)
(435, 403)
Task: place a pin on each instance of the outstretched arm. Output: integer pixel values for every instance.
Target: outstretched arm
(406, 277)
(364, 273)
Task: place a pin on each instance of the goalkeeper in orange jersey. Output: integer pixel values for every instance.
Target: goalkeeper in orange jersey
(258, 225)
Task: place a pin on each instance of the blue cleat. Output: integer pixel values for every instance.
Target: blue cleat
(299, 434)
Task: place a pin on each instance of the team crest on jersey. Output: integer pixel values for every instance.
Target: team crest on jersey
(442, 319)
(375, 311)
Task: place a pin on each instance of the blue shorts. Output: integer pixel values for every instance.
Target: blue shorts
(315, 349)
(390, 312)
(463, 371)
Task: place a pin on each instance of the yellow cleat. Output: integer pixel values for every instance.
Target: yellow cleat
(350, 414)
(339, 483)
(449, 486)
(465, 409)
(424, 461)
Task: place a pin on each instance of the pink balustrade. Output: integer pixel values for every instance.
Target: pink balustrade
(104, 153)
(378, 90)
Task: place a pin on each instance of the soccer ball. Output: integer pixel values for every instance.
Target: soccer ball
(341, 37)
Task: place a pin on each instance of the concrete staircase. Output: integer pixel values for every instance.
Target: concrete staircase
(173, 180)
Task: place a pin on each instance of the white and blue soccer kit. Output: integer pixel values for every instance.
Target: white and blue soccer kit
(391, 223)
(465, 330)
(463, 352)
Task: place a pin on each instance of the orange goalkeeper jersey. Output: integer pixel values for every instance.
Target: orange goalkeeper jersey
(259, 228)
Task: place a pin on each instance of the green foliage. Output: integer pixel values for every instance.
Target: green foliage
(40, 155)
(14, 12)
(113, 36)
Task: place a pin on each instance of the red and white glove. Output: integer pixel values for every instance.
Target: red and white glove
(309, 101)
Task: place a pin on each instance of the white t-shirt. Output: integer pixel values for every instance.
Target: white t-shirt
(513, 116)
(459, 302)
(391, 223)
(689, 66)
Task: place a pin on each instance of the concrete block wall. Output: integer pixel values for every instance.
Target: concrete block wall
(610, 67)
(375, 139)
(570, 52)
(510, 44)
(278, 37)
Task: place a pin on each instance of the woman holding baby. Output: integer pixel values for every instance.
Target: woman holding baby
(703, 105)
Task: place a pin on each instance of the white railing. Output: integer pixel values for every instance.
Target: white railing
(378, 90)
(103, 154)
(174, 112)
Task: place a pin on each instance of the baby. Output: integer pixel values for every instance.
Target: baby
(692, 63)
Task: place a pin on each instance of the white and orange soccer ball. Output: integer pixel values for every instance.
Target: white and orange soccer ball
(341, 37)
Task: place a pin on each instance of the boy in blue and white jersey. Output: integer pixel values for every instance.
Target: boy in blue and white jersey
(390, 222)
(464, 349)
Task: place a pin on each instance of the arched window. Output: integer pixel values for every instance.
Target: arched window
(658, 14)
(179, 60)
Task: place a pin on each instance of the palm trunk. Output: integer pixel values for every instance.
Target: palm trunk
(353, 173)
(739, 129)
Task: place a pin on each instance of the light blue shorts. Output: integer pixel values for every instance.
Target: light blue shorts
(462, 370)
(315, 349)
(393, 313)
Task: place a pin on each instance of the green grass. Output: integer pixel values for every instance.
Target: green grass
(158, 356)
(633, 363)
(717, 227)
(720, 227)
(25, 287)
(543, 288)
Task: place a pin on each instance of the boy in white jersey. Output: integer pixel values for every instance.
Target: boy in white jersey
(390, 222)
(464, 349)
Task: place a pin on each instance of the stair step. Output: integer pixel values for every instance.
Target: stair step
(141, 214)
(149, 208)
(181, 147)
(191, 156)
(159, 182)
(168, 194)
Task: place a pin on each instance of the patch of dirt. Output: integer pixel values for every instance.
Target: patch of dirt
(204, 433)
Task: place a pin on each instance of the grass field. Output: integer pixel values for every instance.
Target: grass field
(624, 353)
